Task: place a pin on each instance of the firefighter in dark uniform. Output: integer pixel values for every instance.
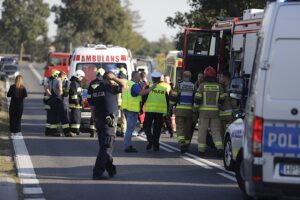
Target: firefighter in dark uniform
(92, 87)
(51, 122)
(57, 103)
(106, 113)
(75, 101)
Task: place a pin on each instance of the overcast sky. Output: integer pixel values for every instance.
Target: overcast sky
(152, 12)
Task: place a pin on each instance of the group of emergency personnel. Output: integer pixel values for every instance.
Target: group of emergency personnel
(207, 102)
(57, 87)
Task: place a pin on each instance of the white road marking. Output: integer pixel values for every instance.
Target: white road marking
(228, 177)
(196, 162)
(35, 72)
(32, 190)
(166, 149)
(34, 199)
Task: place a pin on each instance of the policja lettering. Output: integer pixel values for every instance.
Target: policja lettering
(158, 91)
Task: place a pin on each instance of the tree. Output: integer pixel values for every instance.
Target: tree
(23, 23)
(204, 13)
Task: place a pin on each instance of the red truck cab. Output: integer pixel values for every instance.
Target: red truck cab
(57, 61)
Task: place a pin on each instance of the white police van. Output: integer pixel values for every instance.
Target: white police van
(268, 163)
(89, 59)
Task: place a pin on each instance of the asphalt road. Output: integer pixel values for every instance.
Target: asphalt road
(63, 166)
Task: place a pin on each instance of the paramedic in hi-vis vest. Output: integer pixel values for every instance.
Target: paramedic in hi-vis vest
(182, 98)
(156, 106)
(206, 104)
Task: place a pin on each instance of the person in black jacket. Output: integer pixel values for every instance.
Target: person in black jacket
(17, 92)
(92, 87)
(75, 101)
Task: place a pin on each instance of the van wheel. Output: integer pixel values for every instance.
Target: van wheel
(239, 171)
(227, 157)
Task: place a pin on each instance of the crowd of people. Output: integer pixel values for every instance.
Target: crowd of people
(141, 103)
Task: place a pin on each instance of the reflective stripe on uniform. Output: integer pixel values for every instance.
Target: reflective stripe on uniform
(52, 126)
(64, 126)
(47, 107)
(225, 113)
(187, 107)
(74, 106)
(201, 147)
(92, 127)
(74, 96)
(208, 107)
(75, 125)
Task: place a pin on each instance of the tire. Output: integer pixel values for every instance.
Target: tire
(227, 157)
(238, 171)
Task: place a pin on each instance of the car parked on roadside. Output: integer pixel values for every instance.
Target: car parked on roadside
(9, 71)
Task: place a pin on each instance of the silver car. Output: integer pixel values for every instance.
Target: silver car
(9, 71)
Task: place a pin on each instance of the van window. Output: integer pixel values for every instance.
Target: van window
(285, 69)
(90, 70)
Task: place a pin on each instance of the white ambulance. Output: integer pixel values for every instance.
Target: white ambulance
(268, 164)
(90, 58)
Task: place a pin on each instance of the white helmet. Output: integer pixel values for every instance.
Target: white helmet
(79, 73)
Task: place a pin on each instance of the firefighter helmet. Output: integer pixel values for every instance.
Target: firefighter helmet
(100, 72)
(210, 72)
(55, 73)
(79, 73)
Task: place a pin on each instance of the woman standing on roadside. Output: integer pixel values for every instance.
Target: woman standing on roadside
(17, 92)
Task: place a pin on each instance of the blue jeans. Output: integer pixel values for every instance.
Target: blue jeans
(131, 119)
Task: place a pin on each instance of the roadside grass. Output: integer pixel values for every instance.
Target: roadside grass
(7, 165)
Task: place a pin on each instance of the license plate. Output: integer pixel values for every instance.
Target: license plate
(289, 170)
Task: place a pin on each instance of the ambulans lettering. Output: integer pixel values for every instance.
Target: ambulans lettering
(100, 58)
(282, 140)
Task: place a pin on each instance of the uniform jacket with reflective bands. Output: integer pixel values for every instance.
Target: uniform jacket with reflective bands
(157, 100)
(207, 99)
(75, 93)
(130, 103)
(92, 87)
(228, 106)
(183, 97)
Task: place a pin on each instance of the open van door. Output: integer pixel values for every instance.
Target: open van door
(200, 50)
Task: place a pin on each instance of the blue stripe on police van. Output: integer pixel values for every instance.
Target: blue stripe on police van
(285, 140)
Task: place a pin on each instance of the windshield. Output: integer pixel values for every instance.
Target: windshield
(90, 70)
(10, 68)
(54, 61)
(201, 43)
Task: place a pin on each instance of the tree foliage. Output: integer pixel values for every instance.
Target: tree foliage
(203, 13)
(98, 21)
(23, 23)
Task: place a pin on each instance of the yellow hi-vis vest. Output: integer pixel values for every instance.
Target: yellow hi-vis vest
(156, 101)
(129, 102)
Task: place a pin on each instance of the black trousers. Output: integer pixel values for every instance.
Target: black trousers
(59, 112)
(106, 139)
(168, 122)
(75, 119)
(15, 115)
(157, 120)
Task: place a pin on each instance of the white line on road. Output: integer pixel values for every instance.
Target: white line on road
(228, 177)
(35, 72)
(32, 190)
(196, 162)
(166, 149)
